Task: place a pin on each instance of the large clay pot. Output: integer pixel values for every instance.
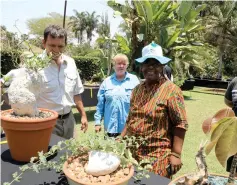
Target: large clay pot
(179, 178)
(27, 137)
(72, 180)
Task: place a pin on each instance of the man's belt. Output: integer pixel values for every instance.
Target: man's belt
(64, 116)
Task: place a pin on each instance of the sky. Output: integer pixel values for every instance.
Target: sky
(23, 10)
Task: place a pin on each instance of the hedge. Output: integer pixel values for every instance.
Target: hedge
(88, 67)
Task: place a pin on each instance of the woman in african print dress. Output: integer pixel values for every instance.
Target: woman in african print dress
(157, 113)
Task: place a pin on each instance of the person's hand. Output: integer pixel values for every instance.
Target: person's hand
(97, 128)
(175, 163)
(84, 123)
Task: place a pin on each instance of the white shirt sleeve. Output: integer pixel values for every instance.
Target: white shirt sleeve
(79, 87)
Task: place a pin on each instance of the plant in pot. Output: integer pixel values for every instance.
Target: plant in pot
(91, 160)
(27, 128)
(222, 128)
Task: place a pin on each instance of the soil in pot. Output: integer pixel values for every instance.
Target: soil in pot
(26, 136)
(213, 179)
(76, 175)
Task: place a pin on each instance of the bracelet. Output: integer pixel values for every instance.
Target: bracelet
(176, 155)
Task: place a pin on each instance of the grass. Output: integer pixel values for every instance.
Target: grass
(200, 104)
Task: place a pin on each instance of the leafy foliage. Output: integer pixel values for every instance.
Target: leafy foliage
(84, 23)
(75, 148)
(170, 24)
(35, 62)
(11, 49)
(224, 137)
(221, 29)
(88, 67)
(10, 59)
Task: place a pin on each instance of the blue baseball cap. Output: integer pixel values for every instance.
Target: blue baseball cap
(153, 50)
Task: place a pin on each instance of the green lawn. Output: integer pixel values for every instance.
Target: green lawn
(200, 104)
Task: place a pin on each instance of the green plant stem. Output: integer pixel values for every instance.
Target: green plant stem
(15, 179)
(31, 167)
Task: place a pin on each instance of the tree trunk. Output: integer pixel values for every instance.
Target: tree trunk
(233, 172)
(134, 40)
(221, 53)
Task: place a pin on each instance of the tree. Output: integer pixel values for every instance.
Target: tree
(9, 40)
(169, 23)
(91, 24)
(222, 28)
(78, 24)
(37, 25)
(104, 27)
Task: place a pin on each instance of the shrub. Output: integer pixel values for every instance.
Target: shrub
(10, 59)
(89, 68)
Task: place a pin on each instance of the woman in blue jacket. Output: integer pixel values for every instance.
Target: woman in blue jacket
(114, 98)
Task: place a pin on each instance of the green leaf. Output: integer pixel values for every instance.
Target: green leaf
(163, 36)
(42, 158)
(173, 38)
(161, 10)
(6, 183)
(148, 10)
(227, 143)
(184, 8)
(195, 28)
(24, 168)
(200, 7)
(128, 154)
(147, 176)
(139, 8)
(35, 168)
(14, 175)
(216, 132)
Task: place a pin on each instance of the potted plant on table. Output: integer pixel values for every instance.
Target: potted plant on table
(223, 130)
(27, 128)
(91, 160)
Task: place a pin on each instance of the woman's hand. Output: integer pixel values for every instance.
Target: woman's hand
(97, 128)
(175, 163)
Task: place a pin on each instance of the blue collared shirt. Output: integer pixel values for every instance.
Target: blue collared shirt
(114, 102)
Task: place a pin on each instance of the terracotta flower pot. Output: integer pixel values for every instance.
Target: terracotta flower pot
(72, 180)
(27, 137)
(179, 178)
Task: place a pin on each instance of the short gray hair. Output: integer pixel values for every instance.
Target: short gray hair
(121, 57)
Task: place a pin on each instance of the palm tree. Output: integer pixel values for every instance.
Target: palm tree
(78, 23)
(91, 24)
(222, 28)
(168, 23)
(104, 27)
